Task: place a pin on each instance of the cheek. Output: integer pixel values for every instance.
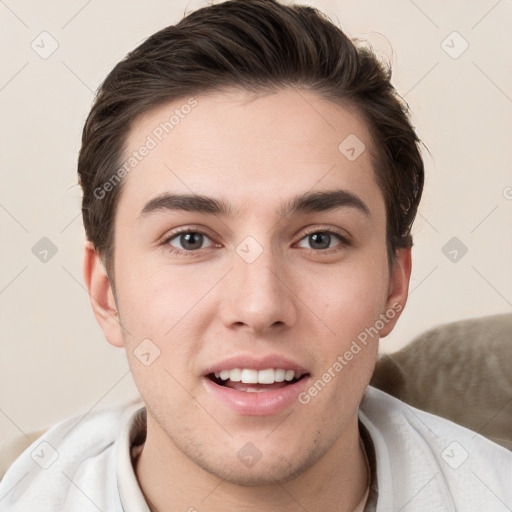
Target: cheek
(352, 303)
(353, 298)
(351, 306)
(154, 298)
(170, 307)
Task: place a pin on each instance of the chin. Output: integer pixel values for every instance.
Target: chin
(269, 469)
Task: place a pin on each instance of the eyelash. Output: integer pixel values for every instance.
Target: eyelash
(344, 242)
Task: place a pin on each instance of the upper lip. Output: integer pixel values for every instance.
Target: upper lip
(256, 363)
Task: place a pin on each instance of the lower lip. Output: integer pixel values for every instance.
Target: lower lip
(257, 404)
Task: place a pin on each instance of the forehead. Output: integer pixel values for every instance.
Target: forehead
(239, 145)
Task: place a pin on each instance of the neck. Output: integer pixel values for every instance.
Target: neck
(170, 481)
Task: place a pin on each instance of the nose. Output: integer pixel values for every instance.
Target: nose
(257, 294)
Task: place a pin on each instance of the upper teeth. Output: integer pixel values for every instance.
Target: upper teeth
(249, 376)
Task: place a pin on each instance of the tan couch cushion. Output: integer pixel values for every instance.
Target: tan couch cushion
(461, 371)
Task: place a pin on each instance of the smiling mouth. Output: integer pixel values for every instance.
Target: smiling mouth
(256, 381)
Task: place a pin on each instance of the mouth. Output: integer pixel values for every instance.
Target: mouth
(247, 386)
(250, 380)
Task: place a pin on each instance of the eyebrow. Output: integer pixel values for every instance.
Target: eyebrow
(302, 203)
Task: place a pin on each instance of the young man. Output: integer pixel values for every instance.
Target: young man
(250, 180)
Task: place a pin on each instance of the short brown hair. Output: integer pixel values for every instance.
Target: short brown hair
(257, 45)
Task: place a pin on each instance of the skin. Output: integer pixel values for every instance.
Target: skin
(296, 300)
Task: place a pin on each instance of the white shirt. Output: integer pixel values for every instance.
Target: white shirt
(423, 463)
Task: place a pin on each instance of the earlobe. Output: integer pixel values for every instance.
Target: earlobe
(398, 289)
(101, 296)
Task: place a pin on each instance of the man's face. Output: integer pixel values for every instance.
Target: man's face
(251, 289)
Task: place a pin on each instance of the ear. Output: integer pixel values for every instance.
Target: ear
(398, 289)
(101, 296)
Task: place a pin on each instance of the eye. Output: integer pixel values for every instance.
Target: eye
(186, 241)
(324, 239)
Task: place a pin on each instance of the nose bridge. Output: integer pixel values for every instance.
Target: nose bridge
(258, 271)
(255, 266)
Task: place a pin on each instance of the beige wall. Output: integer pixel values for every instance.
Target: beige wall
(54, 361)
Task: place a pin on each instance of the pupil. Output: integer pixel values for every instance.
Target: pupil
(316, 238)
(188, 238)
